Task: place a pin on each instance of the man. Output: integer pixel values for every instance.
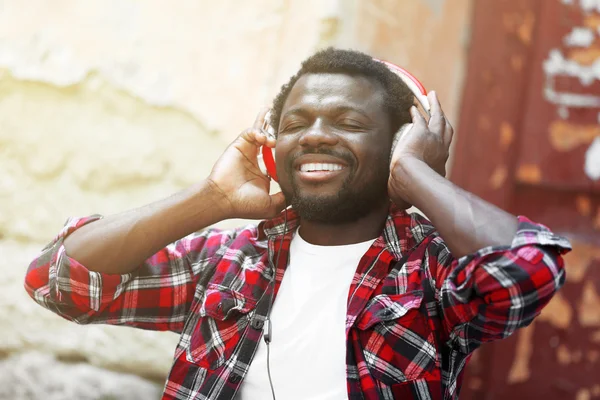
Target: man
(362, 300)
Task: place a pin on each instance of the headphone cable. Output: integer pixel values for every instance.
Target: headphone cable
(269, 334)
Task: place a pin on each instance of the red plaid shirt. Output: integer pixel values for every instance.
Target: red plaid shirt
(415, 313)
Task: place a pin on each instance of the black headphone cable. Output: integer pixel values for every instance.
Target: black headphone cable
(268, 336)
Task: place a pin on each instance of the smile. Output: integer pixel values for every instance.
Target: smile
(318, 167)
(312, 173)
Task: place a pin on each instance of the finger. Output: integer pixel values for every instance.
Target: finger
(436, 121)
(260, 118)
(257, 137)
(448, 132)
(434, 104)
(417, 118)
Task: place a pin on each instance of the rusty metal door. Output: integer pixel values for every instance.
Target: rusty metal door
(529, 141)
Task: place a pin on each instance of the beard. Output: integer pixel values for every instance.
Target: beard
(350, 203)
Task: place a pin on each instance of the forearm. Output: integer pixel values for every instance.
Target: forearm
(118, 244)
(465, 222)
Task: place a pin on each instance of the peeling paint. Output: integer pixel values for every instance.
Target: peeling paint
(566, 357)
(529, 173)
(526, 28)
(583, 394)
(521, 25)
(507, 135)
(590, 5)
(589, 308)
(566, 136)
(563, 355)
(583, 205)
(498, 177)
(583, 65)
(579, 37)
(558, 312)
(585, 57)
(592, 160)
(586, 5)
(519, 371)
(592, 21)
(578, 261)
(516, 62)
(558, 65)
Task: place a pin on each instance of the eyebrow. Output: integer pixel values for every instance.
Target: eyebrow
(300, 110)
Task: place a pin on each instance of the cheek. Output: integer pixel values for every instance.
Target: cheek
(281, 153)
(373, 156)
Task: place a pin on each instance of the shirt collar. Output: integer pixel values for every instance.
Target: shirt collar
(402, 230)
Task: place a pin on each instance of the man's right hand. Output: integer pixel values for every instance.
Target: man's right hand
(237, 178)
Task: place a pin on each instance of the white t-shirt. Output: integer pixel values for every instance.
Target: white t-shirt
(308, 346)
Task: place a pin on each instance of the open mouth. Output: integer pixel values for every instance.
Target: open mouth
(319, 172)
(319, 168)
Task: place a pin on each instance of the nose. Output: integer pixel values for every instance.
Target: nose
(318, 135)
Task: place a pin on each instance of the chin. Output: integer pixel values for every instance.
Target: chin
(333, 209)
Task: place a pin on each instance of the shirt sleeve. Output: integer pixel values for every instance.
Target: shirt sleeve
(156, 296)
(487, 295)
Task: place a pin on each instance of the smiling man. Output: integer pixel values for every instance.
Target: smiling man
(353, 296)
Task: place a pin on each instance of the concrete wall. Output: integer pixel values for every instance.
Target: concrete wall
(110, 104)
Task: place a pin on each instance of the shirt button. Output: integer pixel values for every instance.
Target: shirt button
(386, 313)
(234, 378)
(257, 324)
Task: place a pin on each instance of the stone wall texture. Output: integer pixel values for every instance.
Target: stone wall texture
(107, 105)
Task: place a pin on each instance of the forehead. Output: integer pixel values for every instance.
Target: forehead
(336, 89)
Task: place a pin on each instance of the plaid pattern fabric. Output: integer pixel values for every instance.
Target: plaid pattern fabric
(415, 313)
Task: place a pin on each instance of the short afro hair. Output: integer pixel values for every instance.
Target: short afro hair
(398, 97)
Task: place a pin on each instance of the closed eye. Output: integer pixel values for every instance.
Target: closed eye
(291, 128)
(351, 127)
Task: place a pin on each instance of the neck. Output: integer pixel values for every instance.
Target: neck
(365, 228)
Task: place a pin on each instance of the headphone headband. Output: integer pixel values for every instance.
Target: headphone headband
(415, 86)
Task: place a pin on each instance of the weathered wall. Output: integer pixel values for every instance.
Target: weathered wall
(107, 105)
(529, 123)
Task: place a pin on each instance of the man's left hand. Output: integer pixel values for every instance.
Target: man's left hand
(426, 142)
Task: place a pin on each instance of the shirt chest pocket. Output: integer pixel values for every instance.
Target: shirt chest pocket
(395, 338)
(222, 319)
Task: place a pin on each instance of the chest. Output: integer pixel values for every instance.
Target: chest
(387, 309)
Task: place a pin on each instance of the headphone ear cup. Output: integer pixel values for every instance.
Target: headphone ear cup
(269, 161)
(266, 157)
(403, 129)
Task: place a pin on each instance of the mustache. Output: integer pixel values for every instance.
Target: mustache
(347, 156)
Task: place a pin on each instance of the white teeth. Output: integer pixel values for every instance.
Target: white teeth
(320, 167)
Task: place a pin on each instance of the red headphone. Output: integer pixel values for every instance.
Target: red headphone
(266, 158)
